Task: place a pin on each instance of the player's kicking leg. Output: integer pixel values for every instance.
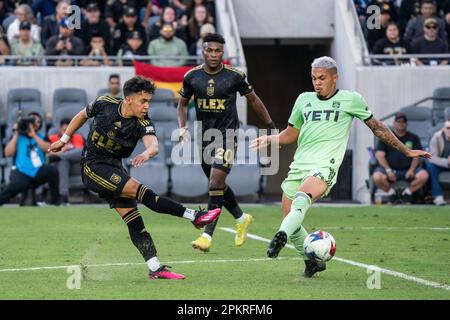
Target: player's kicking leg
(144, 243)
(143, 194)
(291, 227)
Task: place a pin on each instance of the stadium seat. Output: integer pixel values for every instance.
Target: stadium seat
(68, 113)
(189, 180)
(419, 122)
(166, 122)
(69, 97)
(153, 174)
(163, 98)
(440, 105)
(23, 97)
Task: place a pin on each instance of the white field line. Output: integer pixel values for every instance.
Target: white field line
(139, 263)
(362, 265)
(388, 228)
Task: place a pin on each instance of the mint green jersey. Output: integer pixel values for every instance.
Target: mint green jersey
(325, 127)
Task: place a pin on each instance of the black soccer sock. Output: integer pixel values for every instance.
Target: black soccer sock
(231, 204)
(158, 204)
(215, 201)
(139, 236)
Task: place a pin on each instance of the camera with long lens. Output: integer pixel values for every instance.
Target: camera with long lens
(23, 125)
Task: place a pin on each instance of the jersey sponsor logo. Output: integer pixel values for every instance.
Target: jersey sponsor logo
(104, 142)
(211, 104)
(319, 115)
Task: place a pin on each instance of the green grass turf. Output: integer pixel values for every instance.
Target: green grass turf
(36, 237)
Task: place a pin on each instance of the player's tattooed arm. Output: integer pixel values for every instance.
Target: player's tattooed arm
(382, 132)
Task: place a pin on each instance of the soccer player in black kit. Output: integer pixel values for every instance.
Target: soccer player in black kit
(118, 125)
(214, 86)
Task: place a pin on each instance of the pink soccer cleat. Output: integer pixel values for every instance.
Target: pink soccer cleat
(203, 217)
(164, 273)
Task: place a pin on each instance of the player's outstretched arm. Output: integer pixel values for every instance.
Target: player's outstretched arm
(382, 132)
(182, 116)
(285, 137)
(152, 148)
(76, 123)
(260, 109)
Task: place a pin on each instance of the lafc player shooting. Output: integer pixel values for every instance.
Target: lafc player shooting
(118, 125)
(214, 87)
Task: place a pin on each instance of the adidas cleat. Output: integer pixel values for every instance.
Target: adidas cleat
(278, 242)
(164, 273)
(312, 267)
(241, 230)
(203, 217)
(202, 243)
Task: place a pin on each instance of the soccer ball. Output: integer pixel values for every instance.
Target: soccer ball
(319, 245)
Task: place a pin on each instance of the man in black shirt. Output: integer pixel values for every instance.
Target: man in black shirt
(392, 45)
(214, 86)
(127, 26)
(430, 43)
(118, 125)
(93, 25)
(393, 165)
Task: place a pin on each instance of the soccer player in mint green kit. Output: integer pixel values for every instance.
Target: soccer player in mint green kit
(320, 124)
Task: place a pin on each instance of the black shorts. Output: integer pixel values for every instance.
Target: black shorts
(220, 156)
(108, 181)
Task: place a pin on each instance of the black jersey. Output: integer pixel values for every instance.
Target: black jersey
(215, 95)
(112, 135)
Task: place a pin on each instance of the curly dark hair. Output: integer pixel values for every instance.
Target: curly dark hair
(214, 37)
(138, 84)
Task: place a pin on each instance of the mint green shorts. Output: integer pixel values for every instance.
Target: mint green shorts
(295, 178)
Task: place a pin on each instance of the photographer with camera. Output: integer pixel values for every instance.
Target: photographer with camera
(27, 146)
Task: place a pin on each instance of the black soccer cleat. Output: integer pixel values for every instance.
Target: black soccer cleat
(312, 267)
(278, 242)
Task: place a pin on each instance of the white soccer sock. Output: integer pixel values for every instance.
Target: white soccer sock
(189, 214)
(153, 264)
(207, 236)
(242, 218)
(391, 192)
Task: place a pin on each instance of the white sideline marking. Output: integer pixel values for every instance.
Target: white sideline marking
(361, 265)
(139, 263)
(387, 228)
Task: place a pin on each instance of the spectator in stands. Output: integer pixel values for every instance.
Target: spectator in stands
(29, 170)
(127, 26)
(409, 9)
(196, 49)
(4, 11)
(116, 11)
(101, 4)
(375, 34)
(26, 47)
(392, 45)
(191, 8)
(97, 53)
(196, 21)
(132, 48)
(114, 86)
(440, 149)
(50, 24)
(64, 159)
(415, 27)
(168, 15)
(393, 165)
(446, 12)
(429, 43)
(23, 13)
(64, 44)
(168, 45)
(94, 25)
(4, 49)
(180, 6)
(153, 8)
(46, 8)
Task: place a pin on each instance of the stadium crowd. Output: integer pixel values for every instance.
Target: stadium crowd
(406, 27)
(121, 28)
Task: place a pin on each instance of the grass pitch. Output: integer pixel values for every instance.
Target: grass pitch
(37, 245)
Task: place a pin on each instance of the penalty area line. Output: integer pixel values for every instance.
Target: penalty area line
(362, 265)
